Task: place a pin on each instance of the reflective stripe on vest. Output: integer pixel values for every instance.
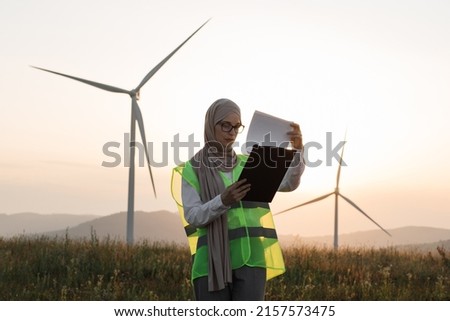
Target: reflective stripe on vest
(243, 232)
(189, 229)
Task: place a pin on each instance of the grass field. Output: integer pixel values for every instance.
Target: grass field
(63, 269)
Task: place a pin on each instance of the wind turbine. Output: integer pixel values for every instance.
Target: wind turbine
(336, 194)
(136, 116)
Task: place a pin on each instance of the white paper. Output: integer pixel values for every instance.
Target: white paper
(267, 130)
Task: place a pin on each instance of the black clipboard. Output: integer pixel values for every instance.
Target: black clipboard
(264, 170)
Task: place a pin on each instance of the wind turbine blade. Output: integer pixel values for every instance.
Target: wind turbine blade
(89, 82)
(338, 177)
(140, 121)
(356, 206)
(158, 66)
(306, 203)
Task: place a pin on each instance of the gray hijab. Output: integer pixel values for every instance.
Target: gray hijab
(207, 163)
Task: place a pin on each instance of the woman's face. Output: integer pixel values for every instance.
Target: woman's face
(226, 139)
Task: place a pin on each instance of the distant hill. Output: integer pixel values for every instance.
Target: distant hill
(426, 247)
(163, 226)
(377, 238)
(30, 223)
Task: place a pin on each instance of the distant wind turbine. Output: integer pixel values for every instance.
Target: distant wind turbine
(336, 194)
(135, 116)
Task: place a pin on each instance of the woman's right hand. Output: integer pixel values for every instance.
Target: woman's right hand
(235, 192)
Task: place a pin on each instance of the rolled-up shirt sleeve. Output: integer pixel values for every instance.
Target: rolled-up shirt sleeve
(291, 179)
(196, 212)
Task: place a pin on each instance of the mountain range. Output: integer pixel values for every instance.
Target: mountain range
(33, 223)
(165, 226)
(403, 236)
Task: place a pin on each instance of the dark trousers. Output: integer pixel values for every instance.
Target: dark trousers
(249, 284)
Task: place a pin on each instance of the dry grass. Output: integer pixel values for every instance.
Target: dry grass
(63, 269)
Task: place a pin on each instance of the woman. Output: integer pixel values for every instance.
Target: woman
(233, 243)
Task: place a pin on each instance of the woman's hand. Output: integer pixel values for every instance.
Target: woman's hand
(235, 192)
(296, 136)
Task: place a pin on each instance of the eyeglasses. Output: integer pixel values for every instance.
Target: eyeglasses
(227, 127)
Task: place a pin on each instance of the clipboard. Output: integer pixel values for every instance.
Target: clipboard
(264, 170)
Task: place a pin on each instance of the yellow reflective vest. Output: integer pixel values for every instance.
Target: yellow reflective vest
(251, 230)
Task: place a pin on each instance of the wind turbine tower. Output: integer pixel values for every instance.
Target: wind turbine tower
(136, 116)
(337, 193)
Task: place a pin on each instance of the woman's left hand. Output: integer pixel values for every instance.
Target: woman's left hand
(295, 136)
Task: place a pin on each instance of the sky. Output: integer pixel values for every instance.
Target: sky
(378, 70)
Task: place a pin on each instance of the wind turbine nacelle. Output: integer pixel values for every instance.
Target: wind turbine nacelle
(136, 94)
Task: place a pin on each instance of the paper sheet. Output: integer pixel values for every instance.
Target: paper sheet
(267, 130)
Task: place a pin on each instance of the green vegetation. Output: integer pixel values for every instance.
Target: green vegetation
(63, 269)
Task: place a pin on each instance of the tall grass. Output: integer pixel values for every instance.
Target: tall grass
(362, 274)
(45, 268)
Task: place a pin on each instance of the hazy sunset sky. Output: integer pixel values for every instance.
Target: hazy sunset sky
(379, 69)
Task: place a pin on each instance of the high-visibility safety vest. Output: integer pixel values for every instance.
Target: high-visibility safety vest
(251, 230)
